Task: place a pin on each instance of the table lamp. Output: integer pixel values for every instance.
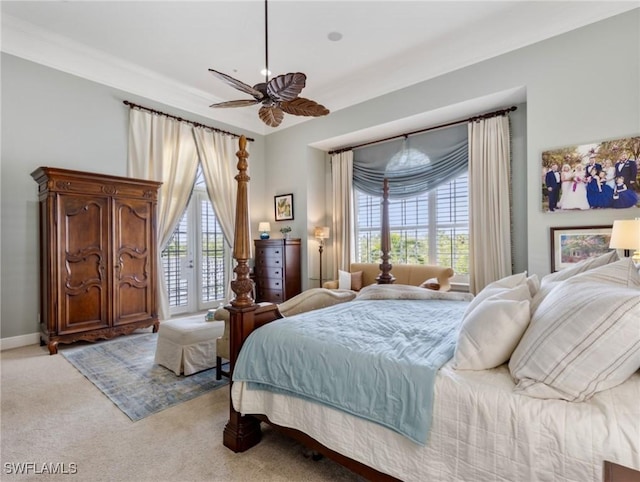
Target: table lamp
(321, 233)
(264, 227)
(626, 235)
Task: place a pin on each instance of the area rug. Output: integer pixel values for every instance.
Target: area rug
(124, 370)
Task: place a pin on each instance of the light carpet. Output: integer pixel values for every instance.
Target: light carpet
(124, 370)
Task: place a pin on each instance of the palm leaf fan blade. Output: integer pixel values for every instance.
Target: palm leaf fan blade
(271, 115)
(235, 103)
(237, 84)
(304, 107)
(286, 87)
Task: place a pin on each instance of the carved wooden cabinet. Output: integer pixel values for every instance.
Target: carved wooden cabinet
(277, 269)
(97, 255)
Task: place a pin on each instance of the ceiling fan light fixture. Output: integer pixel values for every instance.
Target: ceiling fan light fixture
(277, 95)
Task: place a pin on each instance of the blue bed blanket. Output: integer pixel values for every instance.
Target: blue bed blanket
(376, 359)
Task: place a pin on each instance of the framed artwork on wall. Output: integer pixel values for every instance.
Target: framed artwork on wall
(601, 175)
(283, 205)
(573, 244)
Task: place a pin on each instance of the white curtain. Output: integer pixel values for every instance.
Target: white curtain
(217, 154)
(489, 206)
(163, 149)
(343, 213)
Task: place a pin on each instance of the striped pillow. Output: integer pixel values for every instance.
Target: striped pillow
(583, 338)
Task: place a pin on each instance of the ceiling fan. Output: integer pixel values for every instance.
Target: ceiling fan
(278, 95)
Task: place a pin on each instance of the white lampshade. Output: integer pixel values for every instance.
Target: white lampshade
(264, 227)
(626, 235)
(321, 232)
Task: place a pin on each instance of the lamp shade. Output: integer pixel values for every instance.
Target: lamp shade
(264, 227)
(321, 232)
(625, 234)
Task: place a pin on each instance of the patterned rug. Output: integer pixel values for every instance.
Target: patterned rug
(123, 369)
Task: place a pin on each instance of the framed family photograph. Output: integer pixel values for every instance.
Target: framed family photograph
(601, 175)
(574, 244)
(284, 207)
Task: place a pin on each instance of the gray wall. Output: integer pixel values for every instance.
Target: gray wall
(50, 118)
(581, 87)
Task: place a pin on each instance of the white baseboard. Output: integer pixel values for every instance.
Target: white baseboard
(18, 341)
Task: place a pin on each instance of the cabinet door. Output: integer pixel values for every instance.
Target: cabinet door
(82, 263)
(134, 261)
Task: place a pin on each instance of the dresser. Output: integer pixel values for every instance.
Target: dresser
(97, 255)
(277, 269)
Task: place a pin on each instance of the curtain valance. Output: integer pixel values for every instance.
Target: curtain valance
(413, 165)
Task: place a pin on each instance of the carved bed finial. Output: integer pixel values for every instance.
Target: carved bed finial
(242, 286)
(385, 277)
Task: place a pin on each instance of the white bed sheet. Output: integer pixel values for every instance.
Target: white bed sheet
(481, 431)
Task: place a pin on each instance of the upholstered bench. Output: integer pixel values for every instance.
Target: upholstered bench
(188, 345)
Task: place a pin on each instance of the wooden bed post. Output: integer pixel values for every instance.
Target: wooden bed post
(241, 432)
(385, 277)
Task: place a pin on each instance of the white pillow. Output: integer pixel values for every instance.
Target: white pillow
(583, 338)
(623, 272)
(490, 333)
(344, 280)
(534, 284)
(496, 287)
(582, 266)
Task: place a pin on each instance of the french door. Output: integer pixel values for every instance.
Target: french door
(196, 259)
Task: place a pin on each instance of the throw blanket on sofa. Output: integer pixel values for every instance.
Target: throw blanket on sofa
(376, 359)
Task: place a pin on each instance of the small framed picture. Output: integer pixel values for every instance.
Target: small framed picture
(574, 244)
(283, 205)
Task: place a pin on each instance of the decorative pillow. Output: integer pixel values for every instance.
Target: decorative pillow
(496, 287)
(534, 284)
(583, 338)
(356, 281)
(349, 281)
(549, 282)
(623, 272)
(582, 266)
(344, 280)
(430, 284)
(491, 331)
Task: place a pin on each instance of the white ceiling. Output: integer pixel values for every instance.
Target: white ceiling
(162, 50)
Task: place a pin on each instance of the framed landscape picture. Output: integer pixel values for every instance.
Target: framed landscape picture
(574, 244)
(283, 207)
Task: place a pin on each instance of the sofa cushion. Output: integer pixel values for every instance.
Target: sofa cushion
(350, 281)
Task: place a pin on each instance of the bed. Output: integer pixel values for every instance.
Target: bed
(517, 411)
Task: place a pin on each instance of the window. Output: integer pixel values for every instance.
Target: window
(196, 258)
(431, 228)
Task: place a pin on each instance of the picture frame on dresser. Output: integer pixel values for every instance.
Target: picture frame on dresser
(283, 207)
(570, 245)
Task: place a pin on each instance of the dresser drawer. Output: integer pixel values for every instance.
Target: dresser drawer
(269, 283)
(269, 295)
(268, 272)
(268, 262)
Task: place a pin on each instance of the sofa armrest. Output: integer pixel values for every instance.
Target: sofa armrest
(330, 285)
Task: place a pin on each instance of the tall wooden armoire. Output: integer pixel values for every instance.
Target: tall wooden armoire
(97, 255)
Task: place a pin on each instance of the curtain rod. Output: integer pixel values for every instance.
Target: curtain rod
(180, 119)
(449, 124)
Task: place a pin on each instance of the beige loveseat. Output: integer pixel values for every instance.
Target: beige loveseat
(427, 275)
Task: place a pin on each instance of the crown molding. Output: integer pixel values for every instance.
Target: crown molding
(32, 43)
